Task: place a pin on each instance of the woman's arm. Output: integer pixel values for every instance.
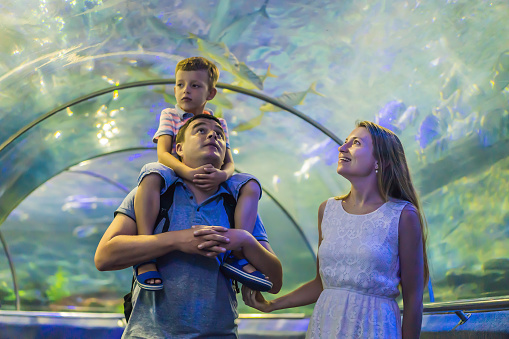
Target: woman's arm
(304, 295)
(412, 271)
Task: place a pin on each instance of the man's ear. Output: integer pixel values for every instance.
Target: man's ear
(212, 94)
(179, 150)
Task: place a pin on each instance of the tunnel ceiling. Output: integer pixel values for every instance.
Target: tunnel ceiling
(430, 71)
(435, 72)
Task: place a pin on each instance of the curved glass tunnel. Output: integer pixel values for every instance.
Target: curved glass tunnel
(73, 206)
(435, 72)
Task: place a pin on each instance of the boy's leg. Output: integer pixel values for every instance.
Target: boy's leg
(246, 212)
(146, 207)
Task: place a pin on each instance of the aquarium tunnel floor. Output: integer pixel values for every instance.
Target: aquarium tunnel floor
(28, 325)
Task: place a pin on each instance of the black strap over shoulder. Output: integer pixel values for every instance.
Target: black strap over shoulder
(229, 204)
(165, 204)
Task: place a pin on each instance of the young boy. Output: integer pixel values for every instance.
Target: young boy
(196, 78)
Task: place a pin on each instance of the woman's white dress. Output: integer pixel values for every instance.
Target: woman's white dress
(359, 267)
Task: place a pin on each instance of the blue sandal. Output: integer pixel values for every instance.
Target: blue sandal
(233, 269)
(142, 278)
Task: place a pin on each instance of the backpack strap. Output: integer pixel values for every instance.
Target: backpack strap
(229, 204)
(165, 204)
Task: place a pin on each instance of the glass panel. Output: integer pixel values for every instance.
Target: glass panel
(52, 237)
(7, 294)
(446, 60)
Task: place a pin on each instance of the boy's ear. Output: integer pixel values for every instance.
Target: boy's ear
(212, 94)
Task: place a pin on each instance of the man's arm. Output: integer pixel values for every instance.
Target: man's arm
(120, 246)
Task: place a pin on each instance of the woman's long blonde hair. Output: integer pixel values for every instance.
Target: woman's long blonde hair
(393, 175)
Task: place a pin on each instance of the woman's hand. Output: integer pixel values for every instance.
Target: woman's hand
(256, 300)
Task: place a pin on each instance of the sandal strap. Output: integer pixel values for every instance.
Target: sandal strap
(148, 275)
(242, 262)
(143, 263)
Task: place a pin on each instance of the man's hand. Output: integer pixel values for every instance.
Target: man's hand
(210, 242)
(237, 238)
(209, 180)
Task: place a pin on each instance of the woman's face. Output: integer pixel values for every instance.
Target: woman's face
(356, 155)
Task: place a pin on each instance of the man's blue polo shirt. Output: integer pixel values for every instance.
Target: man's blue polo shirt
(197, 301)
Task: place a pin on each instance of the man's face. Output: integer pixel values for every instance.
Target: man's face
(192, 90)
(204, 143)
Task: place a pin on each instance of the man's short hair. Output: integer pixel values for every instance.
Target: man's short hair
(182, 131)
(200, 64)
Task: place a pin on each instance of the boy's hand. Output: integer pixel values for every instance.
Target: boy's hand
(191, 172)
(212, 178)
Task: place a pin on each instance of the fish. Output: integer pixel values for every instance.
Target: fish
(219, 52)
(233, 32)
(326, 149)
(92, 8)
(85, 231)
(168, 97)
(306, 166)
(253, 85)
(461, 127)
(218, 112)
(429, 130)
(85, 202)
(167, 31)
(493, 127)
(501, 72)
(275, 182)
(220, 17)
(290, 99)
(447, 108)
(221, 100)
(250, 124)
(406, 119)
(388, 116)
(140, 72)
(216, 51)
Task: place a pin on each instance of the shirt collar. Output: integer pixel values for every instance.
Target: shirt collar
(222, 189)
(183, 114)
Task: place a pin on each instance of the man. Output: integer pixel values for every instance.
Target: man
(197, 301)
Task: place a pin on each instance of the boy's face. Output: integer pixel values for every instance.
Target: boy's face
(192, 91)
(204, 143)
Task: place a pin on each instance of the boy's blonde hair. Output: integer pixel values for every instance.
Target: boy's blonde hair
(200, 64)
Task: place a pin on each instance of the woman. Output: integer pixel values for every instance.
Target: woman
(370, 241)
